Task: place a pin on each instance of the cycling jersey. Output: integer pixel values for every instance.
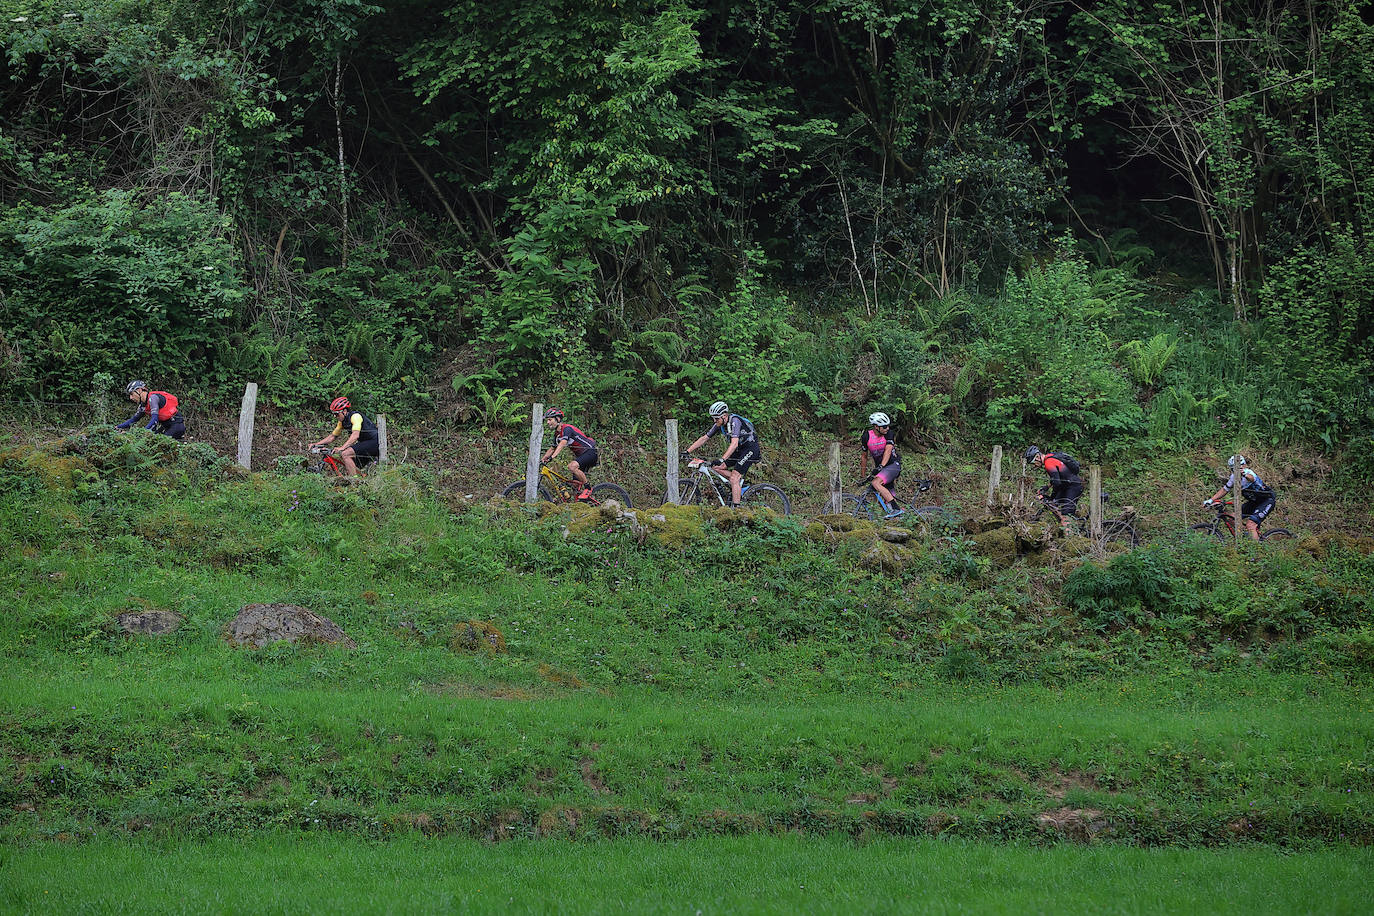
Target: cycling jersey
(160, 408)
(1061, 472)
(578, 441)
(365, 428)
(875, 443)
(735, 427)
(1252, 487)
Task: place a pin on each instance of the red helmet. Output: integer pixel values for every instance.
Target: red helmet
(339, 404)
(553, 413)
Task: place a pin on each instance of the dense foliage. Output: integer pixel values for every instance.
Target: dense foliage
(959, 211)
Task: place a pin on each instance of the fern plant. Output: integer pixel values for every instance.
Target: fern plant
(1147, 359)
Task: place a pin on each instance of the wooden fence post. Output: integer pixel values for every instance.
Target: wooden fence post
(1238, 478)
(1095, 501)
(381, 439)
(994, 476)
(246, 411)
(536, 445)
(1021, 488)
(836, 491)
(672, 494)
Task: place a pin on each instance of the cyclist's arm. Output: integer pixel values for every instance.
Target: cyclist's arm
(734, 444)
(702, 439)
(130, 422)
(887, 456)
(552, 453)
(154, 405)
(338, 428)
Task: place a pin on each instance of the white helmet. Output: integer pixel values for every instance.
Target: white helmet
(878, 418)
(718, 409)
(1235, 460)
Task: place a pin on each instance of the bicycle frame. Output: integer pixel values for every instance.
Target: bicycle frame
(719, 483)
(565, 488)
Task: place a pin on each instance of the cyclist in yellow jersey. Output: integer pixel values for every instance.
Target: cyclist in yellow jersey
(362, 446)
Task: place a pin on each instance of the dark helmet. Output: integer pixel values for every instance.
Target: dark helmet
(1031, 453)
(135, 385)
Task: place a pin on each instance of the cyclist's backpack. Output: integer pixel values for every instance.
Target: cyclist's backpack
(751, 435)
(1069, 461)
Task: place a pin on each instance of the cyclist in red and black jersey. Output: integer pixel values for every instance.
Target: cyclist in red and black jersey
(159, 407)
(582, 445)
(1065, 484)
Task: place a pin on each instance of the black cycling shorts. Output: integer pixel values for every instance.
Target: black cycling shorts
(1257, 510)
(1066, 497)
(367, 450)
(174, 427)
(744, 459)
(587, 460)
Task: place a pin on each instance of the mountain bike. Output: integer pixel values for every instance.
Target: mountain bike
(560, 488)
(869, 504)
(1114, 530)
(325, 463)
(705, 484)
(1223, 527)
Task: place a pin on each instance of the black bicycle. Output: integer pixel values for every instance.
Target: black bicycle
(1223, 527)
(1114, 530)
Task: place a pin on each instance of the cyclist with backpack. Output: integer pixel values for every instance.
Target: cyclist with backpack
(582, 445)
(877, 443)
(159, 407)
(362, 442)
(1257, 497)
(740, 455)
(1065, 484)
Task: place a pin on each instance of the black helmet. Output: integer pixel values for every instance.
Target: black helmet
(1031, 452)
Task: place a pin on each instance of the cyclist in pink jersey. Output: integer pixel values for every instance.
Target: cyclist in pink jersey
(582, 446)
(878, 444)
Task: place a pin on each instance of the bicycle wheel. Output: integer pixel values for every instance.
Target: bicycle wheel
(517, 491)
(1115, 531)
(1212, 528)
(604, 491)
(1278, 534)
(855, 506)
(768, 496)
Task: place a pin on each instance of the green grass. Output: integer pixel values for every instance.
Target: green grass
(727, 675)
(279, 873)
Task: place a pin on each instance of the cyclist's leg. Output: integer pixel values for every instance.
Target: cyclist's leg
(883, 484)
(363, 453)
(1255, 514)
(736, 468)
(579, 467)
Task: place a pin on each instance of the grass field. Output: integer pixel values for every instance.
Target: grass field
(273, 873)
(720, 712)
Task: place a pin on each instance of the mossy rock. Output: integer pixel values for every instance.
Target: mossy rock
(477, 636)
(837, 522)
(1319, 545)
(997, 544)
(984, 523)
(885, 557)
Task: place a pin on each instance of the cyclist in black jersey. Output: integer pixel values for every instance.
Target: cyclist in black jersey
(362, 446)
(740, 455)
(1257, 498)
(582, 445)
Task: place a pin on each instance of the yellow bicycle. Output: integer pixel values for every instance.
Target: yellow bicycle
(560, 488)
